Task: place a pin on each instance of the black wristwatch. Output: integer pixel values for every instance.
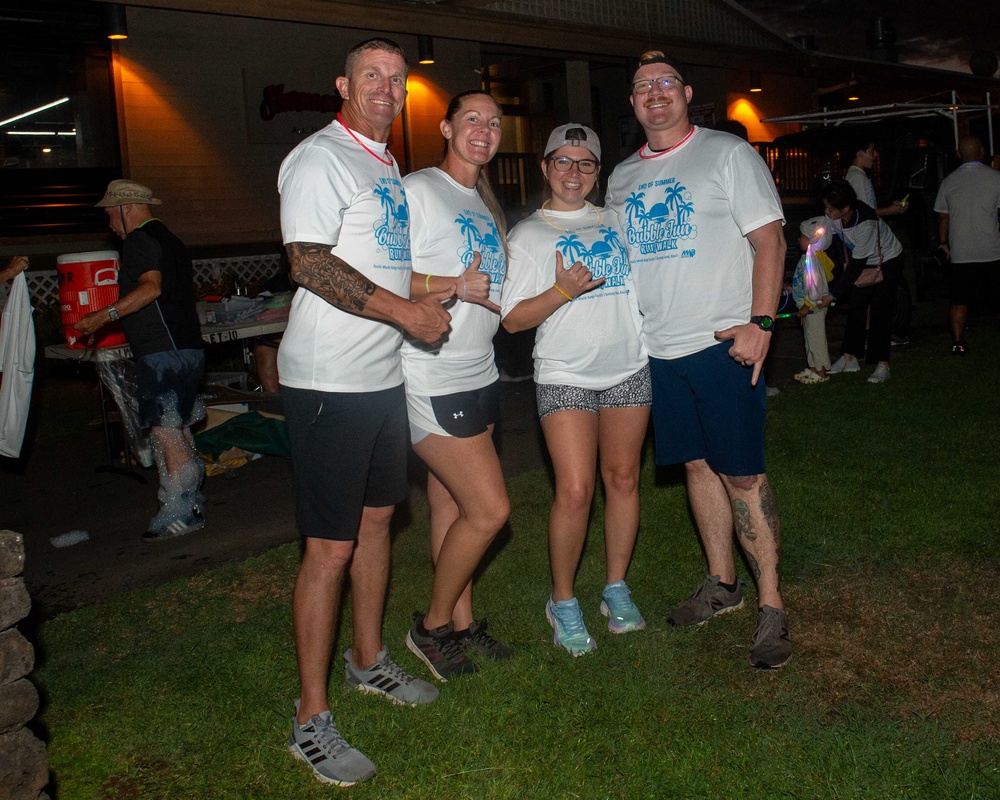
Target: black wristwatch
(113, 313)
(763, 322)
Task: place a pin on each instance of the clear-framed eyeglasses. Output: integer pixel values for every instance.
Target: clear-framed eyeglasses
(587, 166)
(666, 82)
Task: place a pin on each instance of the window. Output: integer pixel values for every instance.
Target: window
(58, 126)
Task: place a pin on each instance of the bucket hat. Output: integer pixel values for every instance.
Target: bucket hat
(124, 192)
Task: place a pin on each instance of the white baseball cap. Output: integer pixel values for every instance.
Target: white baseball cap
(574, 135)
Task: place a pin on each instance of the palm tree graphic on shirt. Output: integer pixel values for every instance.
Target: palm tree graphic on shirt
(486, 244)
(634, 207)
(572, 248)
(468, 229)
(384, 194)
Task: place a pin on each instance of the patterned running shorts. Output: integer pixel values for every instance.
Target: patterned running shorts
(633, 392)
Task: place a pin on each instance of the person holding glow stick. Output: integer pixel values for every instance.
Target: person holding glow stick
(810, 291)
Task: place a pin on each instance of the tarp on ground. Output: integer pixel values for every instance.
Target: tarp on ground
(251, 431)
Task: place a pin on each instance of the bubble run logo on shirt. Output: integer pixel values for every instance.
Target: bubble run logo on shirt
(392, 229)
(472, 223)
(605, 258)
(661, 227)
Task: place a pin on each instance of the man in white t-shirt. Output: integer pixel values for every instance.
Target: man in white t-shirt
(862, 162)
(702, 222)
(967, 205)
(345, 223)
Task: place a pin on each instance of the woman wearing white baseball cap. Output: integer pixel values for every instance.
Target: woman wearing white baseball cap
(568, 274)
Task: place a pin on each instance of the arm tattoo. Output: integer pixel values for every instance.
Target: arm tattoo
(744, 521)
(315, 268)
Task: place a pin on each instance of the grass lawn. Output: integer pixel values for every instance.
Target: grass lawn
(888, 499)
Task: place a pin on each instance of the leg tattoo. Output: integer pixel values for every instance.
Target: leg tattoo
(743, 521)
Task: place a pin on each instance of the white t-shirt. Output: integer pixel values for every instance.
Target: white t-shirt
(592, 342)
(970, 196)
(335, 192)
(686, 214)
(861, 184)
(449, 222)
(869, 239)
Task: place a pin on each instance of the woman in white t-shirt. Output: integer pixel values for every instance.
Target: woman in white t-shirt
(457, 235)
(569, 275)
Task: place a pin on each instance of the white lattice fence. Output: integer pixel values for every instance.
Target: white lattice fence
(43, 285)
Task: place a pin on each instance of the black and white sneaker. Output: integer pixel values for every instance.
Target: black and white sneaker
(475, 639)
(178, 527)
(331, 758)
(438, 649)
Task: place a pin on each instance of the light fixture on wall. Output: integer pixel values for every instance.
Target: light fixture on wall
(425, 49)
(115, 25)
(755, 82)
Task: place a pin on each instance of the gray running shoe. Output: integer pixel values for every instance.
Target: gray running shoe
(477, 640)
(709, 600)
(439, 650)
(321, 746)
(771, 646)
(387, 678)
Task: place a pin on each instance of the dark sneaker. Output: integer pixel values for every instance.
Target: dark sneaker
(709, 600)
(477, 640)
(960, 348)
(179, 527)
(387, 678)
(771, 646)
(321, 746)
(439, 650)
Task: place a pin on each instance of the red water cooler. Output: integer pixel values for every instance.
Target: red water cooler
(88, 282)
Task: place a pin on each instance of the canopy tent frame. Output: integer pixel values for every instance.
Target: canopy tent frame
(914, 110)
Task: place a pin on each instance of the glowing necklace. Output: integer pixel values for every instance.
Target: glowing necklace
(371, 152)
(658, 153)
(590, 207)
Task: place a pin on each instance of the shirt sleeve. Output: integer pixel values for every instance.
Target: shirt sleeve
(753, 197)
(141, 253)
(315, 192)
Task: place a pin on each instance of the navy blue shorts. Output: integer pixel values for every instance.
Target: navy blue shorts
(168, 388)
(349, 451)
(705, 408)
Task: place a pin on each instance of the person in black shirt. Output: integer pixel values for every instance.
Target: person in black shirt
(157, 312)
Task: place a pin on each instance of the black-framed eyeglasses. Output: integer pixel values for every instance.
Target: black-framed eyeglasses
(646, 86)
(587, 166)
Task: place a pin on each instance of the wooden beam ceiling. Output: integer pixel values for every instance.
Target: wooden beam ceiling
(468, 20)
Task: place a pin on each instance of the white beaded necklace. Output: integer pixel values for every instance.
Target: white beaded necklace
(590, 207)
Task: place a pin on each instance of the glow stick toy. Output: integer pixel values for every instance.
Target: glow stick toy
(810, 270)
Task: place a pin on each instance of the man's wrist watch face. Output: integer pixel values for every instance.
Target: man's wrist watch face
(113, 313)
(765, 323)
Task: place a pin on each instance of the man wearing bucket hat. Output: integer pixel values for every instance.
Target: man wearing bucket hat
(157, 312)
(703, 224)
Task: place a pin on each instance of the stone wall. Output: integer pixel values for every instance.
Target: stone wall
(24, 762)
